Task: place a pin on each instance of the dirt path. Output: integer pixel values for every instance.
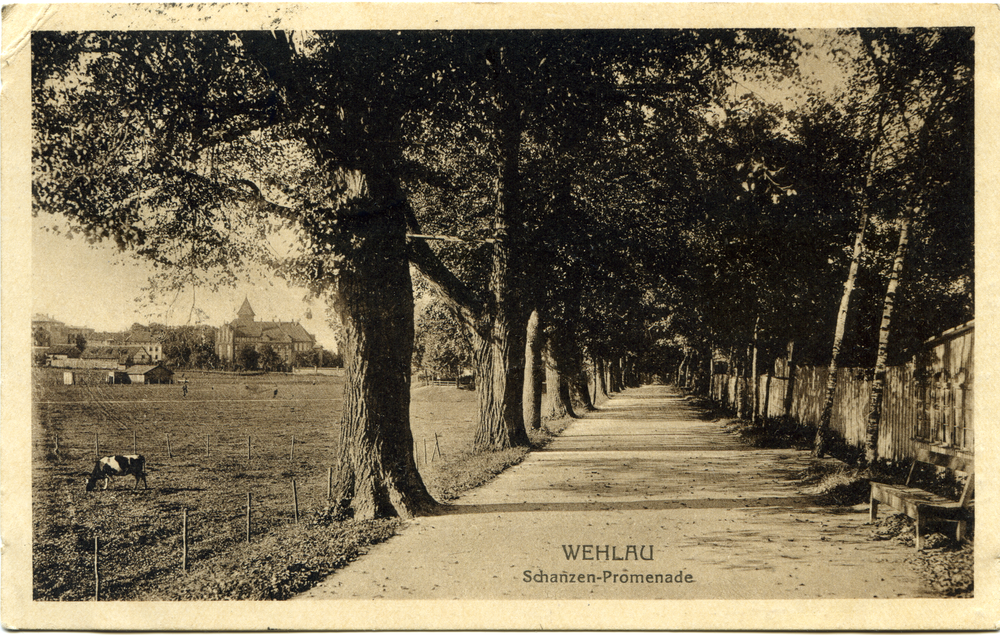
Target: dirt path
(705, 516)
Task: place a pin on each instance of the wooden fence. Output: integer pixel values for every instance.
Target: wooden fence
(929, 399)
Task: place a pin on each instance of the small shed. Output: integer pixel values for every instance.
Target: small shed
(155, 374)
(118, 377)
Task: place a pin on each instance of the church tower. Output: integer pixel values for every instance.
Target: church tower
(245, 315)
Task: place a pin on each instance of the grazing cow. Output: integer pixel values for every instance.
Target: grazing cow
(109, 466)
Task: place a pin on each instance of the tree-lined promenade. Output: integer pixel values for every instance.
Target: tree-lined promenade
(647, 499)
(615, 204)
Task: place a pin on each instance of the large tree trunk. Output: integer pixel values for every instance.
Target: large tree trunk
(754, 371)
(499, 361)
(819, 443)
(878, 383)
(615, 374)
(568, 360)
(377, 474)
(532, 396)
(501, 328)
(600, 370)
(557, 402)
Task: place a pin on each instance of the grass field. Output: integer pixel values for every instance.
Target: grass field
(207, 472)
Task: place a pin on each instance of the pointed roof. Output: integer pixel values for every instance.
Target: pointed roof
(245, 311)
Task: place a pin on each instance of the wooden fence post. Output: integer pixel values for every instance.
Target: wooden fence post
(248, 517)
(291, 452)
(133, 443)
(425, 451)
(208, 445)
(170, 454)
(437, 446)
(329, 485)
(248, 447)
(97, 575)
(184, 532)
(97, 445)
(295, 501)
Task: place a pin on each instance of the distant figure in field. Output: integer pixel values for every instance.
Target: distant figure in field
(275, 394)
(185, 390)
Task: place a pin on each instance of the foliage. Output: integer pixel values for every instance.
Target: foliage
(40, 337)
(247, 358)
(187, 346)
(441, 346)
(268, 359)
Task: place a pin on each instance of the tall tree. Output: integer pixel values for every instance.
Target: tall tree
(195, 150)
(934, 101)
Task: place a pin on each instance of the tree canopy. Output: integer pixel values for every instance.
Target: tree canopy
(657, 195)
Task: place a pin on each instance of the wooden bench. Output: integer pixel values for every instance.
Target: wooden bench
(921, 505)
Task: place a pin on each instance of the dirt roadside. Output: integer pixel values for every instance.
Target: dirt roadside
(656, 502)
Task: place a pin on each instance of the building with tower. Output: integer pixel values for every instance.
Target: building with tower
(285, 338)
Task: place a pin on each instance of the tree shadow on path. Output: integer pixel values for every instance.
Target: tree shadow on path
(795, 502)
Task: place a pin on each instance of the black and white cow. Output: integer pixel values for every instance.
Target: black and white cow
(109, 466)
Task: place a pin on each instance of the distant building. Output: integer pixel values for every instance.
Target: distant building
(147, 374)
(142, 337)
(139, 343)
(286, 338)
(47, 331)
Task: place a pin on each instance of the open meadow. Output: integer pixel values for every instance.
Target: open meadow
(199, 460)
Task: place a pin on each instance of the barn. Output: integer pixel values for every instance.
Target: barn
(155, 374)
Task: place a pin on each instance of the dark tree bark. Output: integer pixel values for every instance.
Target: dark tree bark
(754, 371)
(568, 359)
(557, 403)
(377, 474)
(501, 330)
(617, 380)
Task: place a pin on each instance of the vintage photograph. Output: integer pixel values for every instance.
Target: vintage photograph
(592, 313)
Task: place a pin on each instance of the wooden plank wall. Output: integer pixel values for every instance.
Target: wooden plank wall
(930, 399)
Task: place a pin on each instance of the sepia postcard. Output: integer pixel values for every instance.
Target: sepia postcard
(499, 316)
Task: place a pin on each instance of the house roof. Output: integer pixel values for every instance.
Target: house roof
(140, 335)
(102, 352)
(109, 352)
(64, 349)
(273, 331)
(106, 336)
(141, 369)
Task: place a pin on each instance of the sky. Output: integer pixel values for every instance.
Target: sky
(93, 286)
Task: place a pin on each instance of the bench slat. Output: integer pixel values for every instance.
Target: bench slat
(943, 457)
(920, 504)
